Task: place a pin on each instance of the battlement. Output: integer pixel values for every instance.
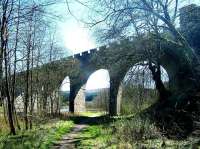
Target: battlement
(88, 53)
(85, 53)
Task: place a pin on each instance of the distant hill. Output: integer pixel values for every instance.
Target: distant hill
(64, 93)
(90, 94)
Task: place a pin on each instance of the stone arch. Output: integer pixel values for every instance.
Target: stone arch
(76, 87)
(118, 58)
(115, 89)
(65, 86)
(98, 84)
(138, 67)
(64, 89)
(79, 98)
(102, 78)
(118, 70)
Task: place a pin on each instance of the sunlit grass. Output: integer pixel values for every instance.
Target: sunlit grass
(56, 132)
(96, 136)
(91, 114)
(42, 137)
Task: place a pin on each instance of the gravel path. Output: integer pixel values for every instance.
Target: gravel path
(68, 141)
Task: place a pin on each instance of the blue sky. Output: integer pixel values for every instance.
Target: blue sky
(72, 33)
(76, 37)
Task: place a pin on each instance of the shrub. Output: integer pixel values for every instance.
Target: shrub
(136, 129)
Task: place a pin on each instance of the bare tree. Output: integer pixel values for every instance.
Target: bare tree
(155, 18)
(7, 7)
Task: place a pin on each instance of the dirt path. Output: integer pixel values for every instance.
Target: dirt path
(68, 141)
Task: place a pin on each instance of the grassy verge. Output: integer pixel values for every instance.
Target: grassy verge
(96, 136)
(42, 137)
(130, 133)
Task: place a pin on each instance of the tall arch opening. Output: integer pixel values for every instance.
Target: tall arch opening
(97, 91)
(138, 89)
(64, 92)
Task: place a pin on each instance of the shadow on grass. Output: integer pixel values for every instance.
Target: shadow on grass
(99, 120)
(88, 135)
(86, 139)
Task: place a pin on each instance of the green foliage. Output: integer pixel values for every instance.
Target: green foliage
(56, 133)
(134, 99)
(42, 137)
(139, 132)
(136, 132)
(122, 133)
(95, 136)
(135, 129)
(99, 102)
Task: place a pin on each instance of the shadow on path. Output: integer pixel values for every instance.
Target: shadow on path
(69, 140)
(73, 138)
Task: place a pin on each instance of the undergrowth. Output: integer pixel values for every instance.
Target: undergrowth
(132, 133)
(42, 137)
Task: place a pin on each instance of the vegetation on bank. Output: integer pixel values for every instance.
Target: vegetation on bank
(133, 129)
(94, 136)
(136, 99)
(40, 137)
(135, 132)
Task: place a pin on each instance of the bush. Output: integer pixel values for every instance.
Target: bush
(134, 99)
(136, 129)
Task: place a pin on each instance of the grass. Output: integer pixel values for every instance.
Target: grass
(3, 124)
(127, 133)
(91, 114)
(96, 136)
(42, 137)
(56, 132)
(111, 133)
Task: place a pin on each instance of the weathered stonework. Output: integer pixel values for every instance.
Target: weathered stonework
(118, 58)
(119, 98)
(79, 102)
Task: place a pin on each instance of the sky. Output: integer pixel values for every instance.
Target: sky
(97, 80)
(73, 33)
(76, 37)
(139, 75)
(65, 86)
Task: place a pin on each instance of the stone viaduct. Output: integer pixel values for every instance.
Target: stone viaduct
(118, 57)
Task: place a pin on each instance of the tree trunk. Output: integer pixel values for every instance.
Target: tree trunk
(27, 84)
(3, 53)
(31, 103)
(9, 103)
(51, 104)
(156, 73)
(26, 98)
